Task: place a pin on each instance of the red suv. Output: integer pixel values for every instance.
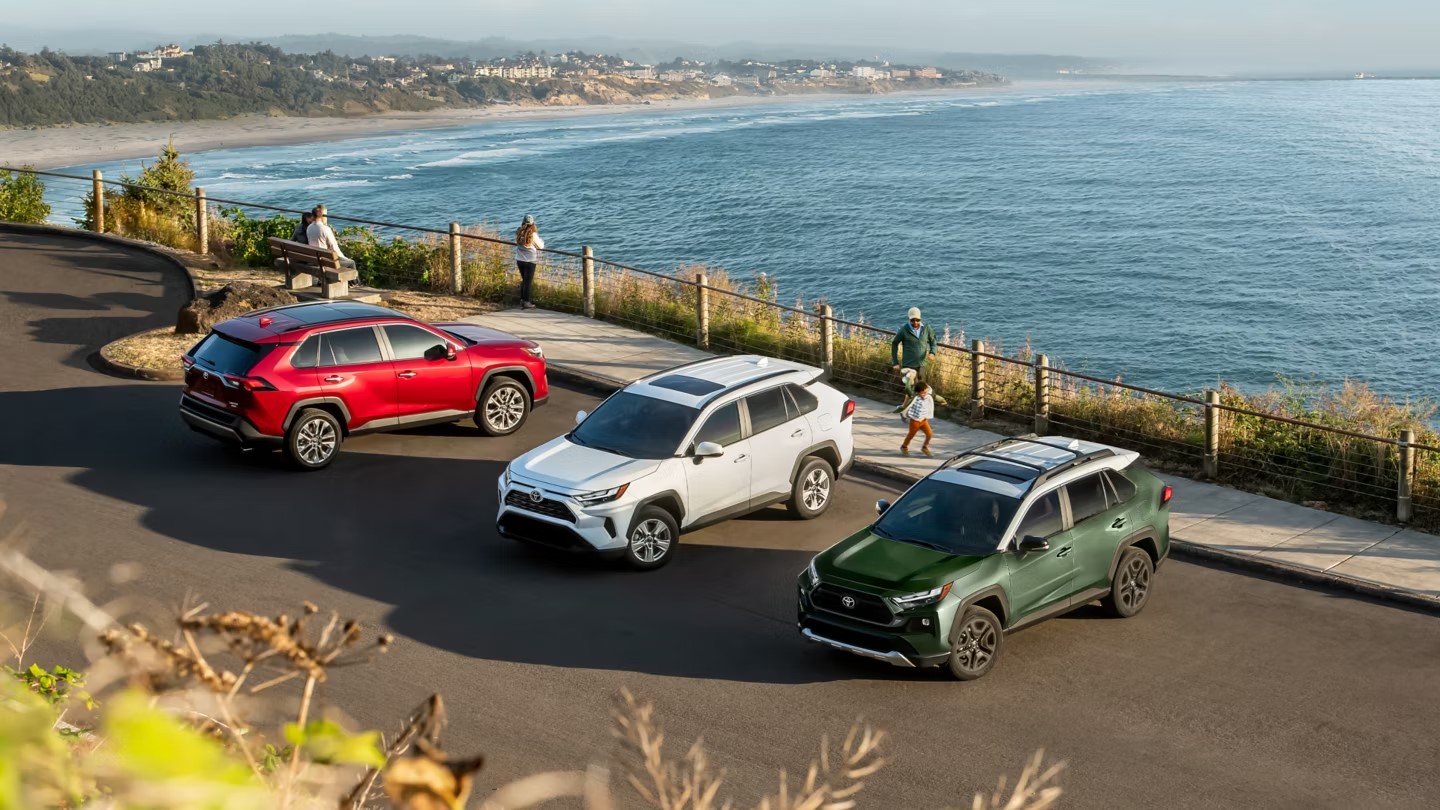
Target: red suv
(305, 376)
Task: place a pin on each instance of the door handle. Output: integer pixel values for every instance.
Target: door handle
(334, 378)
(797, 433)
(1118, 524)
(1064, 551)
(740, 458)
(405, 375)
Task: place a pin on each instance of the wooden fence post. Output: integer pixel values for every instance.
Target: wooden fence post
(827, 336)
(702, 312)
(1042, 394)
(457, 263)
(202, 223)
(587, 279)
(977, 378)
(1404, 506)
(97, 214)
(1210, 466)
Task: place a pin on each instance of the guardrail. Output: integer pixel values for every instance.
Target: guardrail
(1220, 434)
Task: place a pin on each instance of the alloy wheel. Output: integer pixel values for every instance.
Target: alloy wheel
(975, 647)
(650, 541)
(316, 441)
(1134, 583)
(816, 490)
(504, 408)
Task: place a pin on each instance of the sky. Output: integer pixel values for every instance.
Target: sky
(1181, 34)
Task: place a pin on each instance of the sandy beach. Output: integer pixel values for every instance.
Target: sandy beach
(81, 145)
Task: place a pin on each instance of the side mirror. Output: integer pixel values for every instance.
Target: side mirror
(580, 416)
(708, 450)
(1030, 543)
(881, 505)
(440, 351)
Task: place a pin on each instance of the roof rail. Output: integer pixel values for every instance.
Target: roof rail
(1080, 458)
(295, 305)
(673, 369)
(762, 378)
(1077, 458)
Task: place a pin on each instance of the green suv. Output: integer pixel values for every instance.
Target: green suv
(996, 538)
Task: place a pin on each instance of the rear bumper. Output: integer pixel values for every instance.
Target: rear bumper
(222, 426)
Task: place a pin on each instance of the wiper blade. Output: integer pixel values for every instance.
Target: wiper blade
(931, 546)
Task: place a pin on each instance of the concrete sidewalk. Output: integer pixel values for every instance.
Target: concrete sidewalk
(1240, 528)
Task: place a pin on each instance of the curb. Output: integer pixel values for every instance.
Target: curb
(102, 361)
(1181, 548)
(159, 251)
(1296, 575)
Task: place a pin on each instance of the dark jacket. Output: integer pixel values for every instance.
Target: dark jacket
(911, 351)
(299, 235)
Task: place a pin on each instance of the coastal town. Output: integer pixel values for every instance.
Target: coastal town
(400, 71)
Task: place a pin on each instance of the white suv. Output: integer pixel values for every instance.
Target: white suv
(686, 447)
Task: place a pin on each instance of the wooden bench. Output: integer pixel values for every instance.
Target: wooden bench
(305, 266)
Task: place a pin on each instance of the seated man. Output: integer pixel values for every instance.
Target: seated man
(319, 235)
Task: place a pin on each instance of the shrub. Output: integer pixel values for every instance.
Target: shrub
(245, 237)
(22, 197)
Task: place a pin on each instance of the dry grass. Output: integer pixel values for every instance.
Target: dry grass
(157, 350)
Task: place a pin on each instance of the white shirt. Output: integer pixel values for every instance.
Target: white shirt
(527, 253)
(921, 407)
(320, 236)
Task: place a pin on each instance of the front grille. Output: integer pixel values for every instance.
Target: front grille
(866, 607)
(209, 412)
(523, 527)
(545, 506)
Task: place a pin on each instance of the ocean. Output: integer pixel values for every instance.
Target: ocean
(1171, 234)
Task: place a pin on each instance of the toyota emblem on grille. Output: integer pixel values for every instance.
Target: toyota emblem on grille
(848, 602)
(535, 496)
(205, 375)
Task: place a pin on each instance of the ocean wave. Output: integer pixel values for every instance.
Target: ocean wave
(406, 176)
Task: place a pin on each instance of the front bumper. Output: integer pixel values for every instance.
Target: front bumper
(220, 425)
(556, 521)
(915, 640)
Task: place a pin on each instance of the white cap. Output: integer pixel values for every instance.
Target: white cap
(912, 314)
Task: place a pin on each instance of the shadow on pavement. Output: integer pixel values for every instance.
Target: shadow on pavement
(417, 533)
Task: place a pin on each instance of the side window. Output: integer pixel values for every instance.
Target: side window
(1043, 519)
(1087, 497)
(1121, 488)
(804, 400)
(308, 355)
(723, 426)
(349, 347)
(410, 342)
(767, 410)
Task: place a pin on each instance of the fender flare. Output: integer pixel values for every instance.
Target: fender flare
(828, 444)
(665, 495)
(308, 401)
(506, 370)
(994, 590)
(1125, 545)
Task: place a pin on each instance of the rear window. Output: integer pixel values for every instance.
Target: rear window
(227, 355)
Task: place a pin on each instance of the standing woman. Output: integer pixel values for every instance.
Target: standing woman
(527, 243)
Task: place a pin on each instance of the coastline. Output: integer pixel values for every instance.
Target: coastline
(60, 147)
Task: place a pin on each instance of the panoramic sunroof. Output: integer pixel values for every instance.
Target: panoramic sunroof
(688, 385)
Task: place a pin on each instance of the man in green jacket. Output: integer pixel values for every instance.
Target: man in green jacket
(913, 349)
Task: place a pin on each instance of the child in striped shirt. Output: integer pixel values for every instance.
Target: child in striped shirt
(920, 412)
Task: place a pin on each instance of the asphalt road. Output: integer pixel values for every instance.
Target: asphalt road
(1228, 691)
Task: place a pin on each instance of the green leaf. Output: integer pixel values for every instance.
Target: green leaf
(152, 745)
(325, 742)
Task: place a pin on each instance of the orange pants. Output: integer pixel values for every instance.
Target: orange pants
(917, 425)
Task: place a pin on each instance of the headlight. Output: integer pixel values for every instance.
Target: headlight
(921, 599)
(505, 477)
(814, 575)
(602, 496)
(534, 351)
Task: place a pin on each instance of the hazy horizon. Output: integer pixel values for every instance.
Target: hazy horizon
(1161, 35)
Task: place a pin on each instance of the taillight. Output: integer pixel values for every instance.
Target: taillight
(251, 384)
(1165, 495)
(187, 362)
(848, 411)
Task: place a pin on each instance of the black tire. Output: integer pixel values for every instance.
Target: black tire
(313, 440)
(651, 540)
(503, 407)
(1131, 585)
(975, 644)
(813, 489)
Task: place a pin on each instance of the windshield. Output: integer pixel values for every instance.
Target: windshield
(952, 518)
(635, 426)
